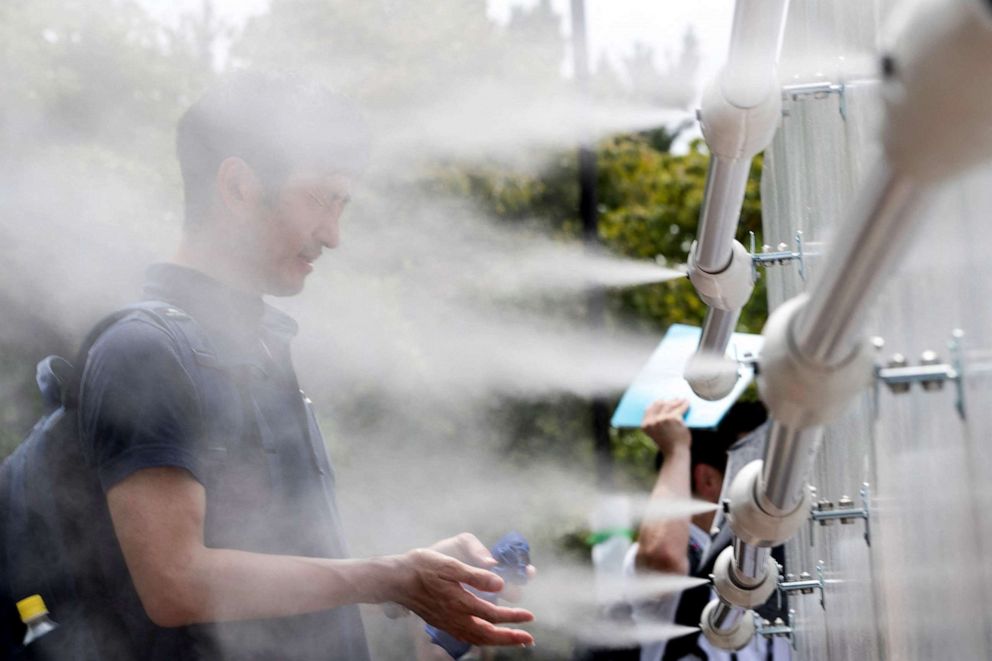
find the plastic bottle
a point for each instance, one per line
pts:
(34, 614)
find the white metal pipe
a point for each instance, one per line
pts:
(755, 42)
(750, 563)
(717, 329)
(789, 455)
(864, 252)
(726, 182)
(725, 617)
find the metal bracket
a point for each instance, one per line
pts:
(931, 373)
(804, 584)
(825, 512)
(781, 255)
(777, 628)
(821, 90)
(817, 91)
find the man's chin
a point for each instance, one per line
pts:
(285, 288)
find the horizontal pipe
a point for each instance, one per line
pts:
(788, 459)
(865, 251)
(749, 563)
(725, 617)
(722, 200)
(718, 327)
(755, 43)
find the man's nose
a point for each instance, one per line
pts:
(329, 231)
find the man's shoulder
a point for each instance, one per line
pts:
(139, 343)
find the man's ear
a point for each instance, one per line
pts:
(239, 189)
(708, 482)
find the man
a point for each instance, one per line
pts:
(692, 466)
(217, 481)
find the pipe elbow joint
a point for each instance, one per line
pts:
(800, 393)
(711, 376)
(729, 289)
(736, 131)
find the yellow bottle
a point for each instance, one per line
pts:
(34, 614)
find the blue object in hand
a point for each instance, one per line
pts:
(512, 552)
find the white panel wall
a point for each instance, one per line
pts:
(921, 591)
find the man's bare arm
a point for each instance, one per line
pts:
(158, 516)
(663, 544)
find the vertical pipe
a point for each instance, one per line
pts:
(789, 455)
(755, 43)
(718, 326)
(725, 617)
(749, 563)
(726, 182)
(865, 251)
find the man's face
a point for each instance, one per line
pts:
(293, 225)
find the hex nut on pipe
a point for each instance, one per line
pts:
(736, 595)
(729, 289)
(753, 525)
(802, 394)
(731, 640)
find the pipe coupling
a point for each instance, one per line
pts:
(731, 590)
(731, 639)
(750, 522)
(800, 393)
(729, 289)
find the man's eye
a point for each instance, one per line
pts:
(338, 200)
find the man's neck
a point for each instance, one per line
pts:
(198, 250)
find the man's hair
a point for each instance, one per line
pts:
(710, 446)
(275, 123)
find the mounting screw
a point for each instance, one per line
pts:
(931, 358)
(825, 506)
(878, 342)
(898, 360)
(805, 576)
(845, 503)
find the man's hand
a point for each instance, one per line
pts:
(431, 586)
(467, 548)
(663, 422)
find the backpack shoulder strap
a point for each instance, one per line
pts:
(165, 314)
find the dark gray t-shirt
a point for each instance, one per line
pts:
(228, 410)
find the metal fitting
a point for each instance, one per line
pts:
(897, 361)
(931, 358)
(845, 503)
(732, 637)
(728, 584)
(825, 506)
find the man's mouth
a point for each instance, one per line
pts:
(309, 257)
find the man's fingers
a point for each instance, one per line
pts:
(475, 551)
(493, 613)
(682, 406)
(481, 632)
(480, 579)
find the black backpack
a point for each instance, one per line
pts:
(54, 516)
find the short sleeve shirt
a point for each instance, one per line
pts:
(228, 410)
